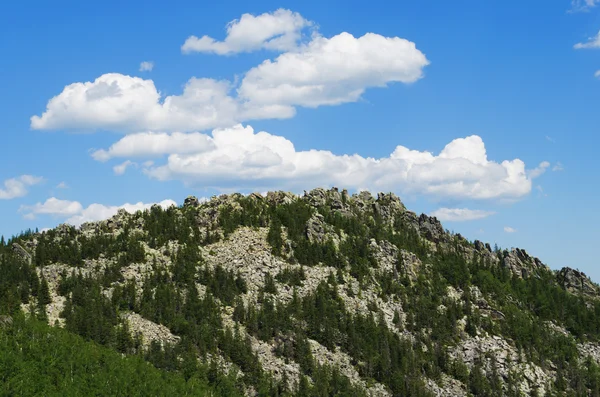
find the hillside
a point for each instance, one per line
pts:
(314, 295)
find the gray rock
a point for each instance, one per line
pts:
(430, 228)
(5, 321)
(191, 201)
(22, 252)
(315, 228)
(577, 282)
(280, 197)
(521, 264)
(388, 205)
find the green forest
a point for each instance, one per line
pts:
(95, 351)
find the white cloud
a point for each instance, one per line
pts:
(539, 170)
(77, 214)
(146, 66)
(597, 74)
(460, 214)
(152, 144)
(62, 185)
(17, 187)
(120, 169)
(280, 30)
(558, 167)
(239, 158)
(593, 42)
(333, 71)
(52, 206)
(509, 229)
(123, 103)
(541, 192)
(583, 5)
(96, 212)
(325, 71)
(550, 139)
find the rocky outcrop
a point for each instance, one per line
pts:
(430, 228)
(386, 255)
(343, 363)
(315, 228)
(522, 265)
(447, 387)
(316, 197)
(410, 264)
(494, 351)
(388, 206)
(332, 199)
(363, 200)
(148, 331)
(280, 197)
(427, 227)
(22, 252)
(191, 201)
(576, 282)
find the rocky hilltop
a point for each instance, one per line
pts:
(321, 294)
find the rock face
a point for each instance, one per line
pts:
(315, 228)
(22, 252)
(149, 331)
(388, 205)
(191, 201)
(495, 354)
(576, 282)
(430, 228)
(280, 197)
(521, 264)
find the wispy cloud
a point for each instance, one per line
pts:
(550, 139)
(120, 169)
(541, 192)
(509, 229)
(558, 167)
(17, 187)
(460, 214)
(146, 66)
(583, 5)
(593, 42)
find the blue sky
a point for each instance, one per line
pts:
(335, 90)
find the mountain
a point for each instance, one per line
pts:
(316, 295)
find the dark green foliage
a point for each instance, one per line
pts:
(40, 360)
(223, 284)
(270, 287)
(89, 313)
(291, 277)
(274, 236)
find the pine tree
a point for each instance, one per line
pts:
(44, 292)
(274, 236)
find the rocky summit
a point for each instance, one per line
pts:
(323, 294)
